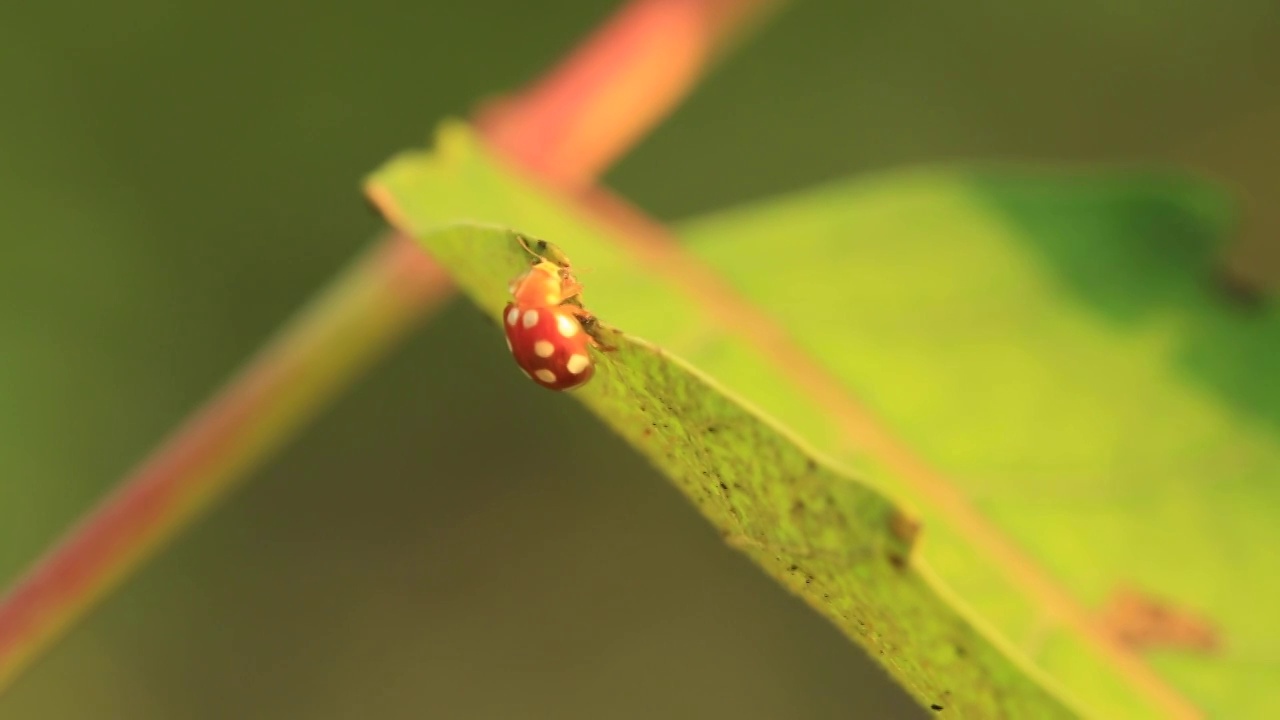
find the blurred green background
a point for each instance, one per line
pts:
(176, 179)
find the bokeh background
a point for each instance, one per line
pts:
(447, 540)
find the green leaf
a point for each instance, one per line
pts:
(840, 544)
(1056, 347)
(998, 372)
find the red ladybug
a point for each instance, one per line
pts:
(545, 326)
(549, 344)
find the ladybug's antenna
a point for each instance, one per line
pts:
(525, 244)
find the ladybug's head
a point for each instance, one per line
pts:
(544, 251)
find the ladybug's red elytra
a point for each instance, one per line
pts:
(549, 345)
(546, 326)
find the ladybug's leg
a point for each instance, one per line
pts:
(541, 245)
(570, 290)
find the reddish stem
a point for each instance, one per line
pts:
(582, 116)
(565, 129)
(318, 354)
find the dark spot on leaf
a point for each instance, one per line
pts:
(897, 560)
(904, 527)
(724, 487)
(793, 568)
(1244, 292)
(960, 651)
(935, 707)
(811, 465)
(713, 428)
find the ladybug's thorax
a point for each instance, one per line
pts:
(540, 286)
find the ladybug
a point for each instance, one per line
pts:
(547, 329)
(549, 344)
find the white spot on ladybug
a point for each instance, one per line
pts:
(568, 326)
(545, 375)
(530, 318)
(512, 316)
(577, 363)
(544, 349)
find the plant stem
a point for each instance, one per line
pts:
(339, 334)
(585, 113)
(578, 119)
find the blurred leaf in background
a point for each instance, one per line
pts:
(175, 180)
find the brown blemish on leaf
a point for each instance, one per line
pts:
(1240, 288)
(1143, 621)
(905, 527)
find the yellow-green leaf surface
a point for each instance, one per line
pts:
(838, 542)
(824, 534)
(1058, 349)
